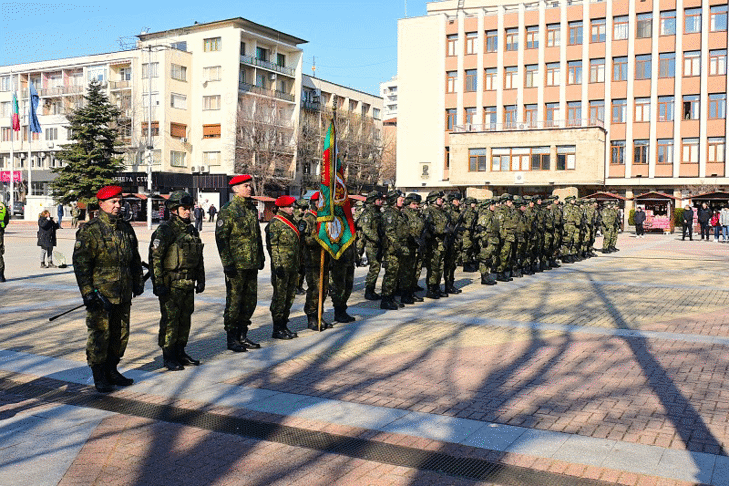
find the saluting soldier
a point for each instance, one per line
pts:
(238, 237)
(283, 241)
(370, 232)
(176, 265)
(312, 261)
(108, 272)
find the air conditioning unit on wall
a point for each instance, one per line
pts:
(204, 169)
(519, 178)
(183, 139)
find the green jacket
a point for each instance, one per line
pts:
(4, 216)
(396, 229)
(283, 243)
(238, 235)
(176, 255)
(369, 223)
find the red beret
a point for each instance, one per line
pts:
(240, 179)
(315, 196)
(285, 201)
(107, 192)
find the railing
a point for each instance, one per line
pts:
(284, 96)
(267, 65)
(120, 84)
(516, 126)
(310, 105)
(245, 87)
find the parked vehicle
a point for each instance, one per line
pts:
(18, 208)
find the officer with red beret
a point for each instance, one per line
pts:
(109, 272)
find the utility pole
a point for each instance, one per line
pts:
(150, 152)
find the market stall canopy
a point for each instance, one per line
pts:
(711, 197)
(654, 196)
(605, 196)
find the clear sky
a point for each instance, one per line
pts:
(354, 41)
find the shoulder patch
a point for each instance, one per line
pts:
(219, 223)
(155, 243)
(78, 244)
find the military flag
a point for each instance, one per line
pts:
(16, 114)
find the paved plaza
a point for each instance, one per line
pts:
(614, 370)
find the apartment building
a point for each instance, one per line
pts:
(388, 92)
(181, 92)
(563, 97)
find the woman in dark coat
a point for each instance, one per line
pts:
(47, 238)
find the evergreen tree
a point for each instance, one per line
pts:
(92, 158)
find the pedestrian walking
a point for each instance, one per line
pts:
(688, 222)
(47, 238)
(211, 212)
(59, 211)
(714, 222)
(704, 217)
(639, 219)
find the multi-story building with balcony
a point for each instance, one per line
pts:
(564, 97)
(181, 93)
(388, 92)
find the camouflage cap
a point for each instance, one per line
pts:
(528, 198)
(413, 197)
(433, 195)
(570, 198)
(302, 203)
(518, 200)
(393, 195)
(373, 196)
(506, 197)
(179, 198)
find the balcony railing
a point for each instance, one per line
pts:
(541, 125)
(311, 105)
(246, 87)
(120, 84)
(252, 61)
(284, 96)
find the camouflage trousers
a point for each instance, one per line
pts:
(284, 293)
(341, 278)
(548, 245)
(374, 264)
(450, 262)
(407, 269)
(570, 238)
(434, 262)
(487, 255)
(176, 310)
(505, 256)
(240, 300)
(467, 248)
(2, 250)
(419, 261)
(519, 253)
(392, 273)
(610, 237)
(311, 306)
(108, 333)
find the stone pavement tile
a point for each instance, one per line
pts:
(687, 466)
(584, 450)
(634, 458)
(494, 436)
(539, 443)
(434, 427)
(720, 476)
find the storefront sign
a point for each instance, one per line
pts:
(5, 176)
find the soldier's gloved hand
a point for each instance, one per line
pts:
(160, 290)
(92, 301)
(200, 287)
(138, 289)
(230, 271)
(280, 272)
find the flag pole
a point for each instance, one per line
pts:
(30, 153)
(321, 287)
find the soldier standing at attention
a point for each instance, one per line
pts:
(238, 237)
(4, 220)
(455, 243)
(108, 272)
(395, 231)
(487, 231)
(284, 246)
(436, 221)
(571, 219)
(369, 223)
(508, 220)
(416, 244)
(299, 210)
(468, 245)
(176, 263)
(312, 261)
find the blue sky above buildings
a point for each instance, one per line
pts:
(354, 42)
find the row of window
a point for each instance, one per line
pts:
(642, 69)
(664, 151)
(520, 159)
(598, 31)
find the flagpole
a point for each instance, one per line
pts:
(30, 153)
(321, 286)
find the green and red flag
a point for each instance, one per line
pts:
(335, 225)
(16, 114)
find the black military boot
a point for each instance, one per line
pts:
(340, 315)
(433, 292)
(451, 288)
(113, 375)
(470, 267)
(418, 288)
(184, 358)
(554, 263)
(291, 333)
(234, 344)
(488, 279)
(442, 292)
(370, 294)
(516, 273)
(279, 332)
(247, 342)
(501, 277)
(170, 360)
(537, 268)
(416, 298)
(314, 323)
(544, 265)
(407, 297)
(527, 270)
(100, 381)
(388, 303)
(2, 276)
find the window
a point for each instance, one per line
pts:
(617, 152)
(530, 75)
(470, 116)
(668, 22)
(597, 111)
(145, 131)
(477, 160)
(489, 117)
(510, 116)
(574, 113)
(500, 159)
(692, 63)
(552, 78)
(553, 33)
(643, 24)
(532, 37)
(520, 158)
(211, 73)
(211, 158)
(492, 41)
(471, 38)
(51, 134)
(620, 111)
(597, 30)
(620, 69)
(540, 158)
(6, 109)
(566, 157)
(490, 79)
(451, 79)
(178, 130)
(178, 101)
(717, 62)
(7, 134)
(575, 33)
(376, 113)
(180, 46)
(262, 54)
(242, 48)
(643, 67)
(597, 70)
(717, 106)
(146, 70)
(471, 80)
(667, 65)
(125, 74)
(177, 159)
(690, 151)
(261, 80)
(716, 149)
(512, 39)
(530, 115)
(551, 114)
(574, 72)
(179, 72)
(620, 27)
(717, 19)
(146, 98)
(281, 59)
(642, 109)
(691, 107)
(640, 151)
(666, 108)
(211, 102)
(211, 131)
(211, 44)
(450, 118)
(664, 151)
(511, 80)
(5, 83)
(95, 73)
(692, 20)
(451, 41)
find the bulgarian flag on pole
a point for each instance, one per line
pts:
(334, 213)
(16, 114)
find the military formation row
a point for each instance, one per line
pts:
(504, 237)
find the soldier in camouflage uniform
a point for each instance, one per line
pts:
(508, 220)
(571, 220)
(284, 247)
(312, 255)
(550, 233)
(299, 210)
(610, 225)
(238, 237)
(341, 283)
(4, 220)
(109, 272)
(592, 217)
(370, 231)
(520, 246)
(469, 245)
(487, 232)
(436, 222)
(411, 269)
(454, 243)
(395, 231)
(558, 211)
(176, 265)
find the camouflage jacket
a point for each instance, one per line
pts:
(106, 258)
(238, 235)
(396, 230)
(508, 219)
(369, 224)
(176, 255)
(437, 220)
(283, 243)
(487, 227)
(572, 215)
(415, 225)
(311, 248)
